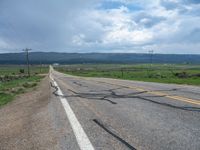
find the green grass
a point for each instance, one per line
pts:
(10, 89)
(15, 69)
(5, 98)
(162, 73)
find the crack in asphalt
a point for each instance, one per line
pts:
(79, 84)
(55, 89)
(122, 86)
(100, 123)
(112, 94)
(81, 95)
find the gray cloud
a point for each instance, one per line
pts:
(147, 20)
(81, 26)
(169, 4)
(41, 24)
(192, 1)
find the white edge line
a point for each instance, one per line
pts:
(81, 137)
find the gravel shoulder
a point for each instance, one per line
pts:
(25, 123)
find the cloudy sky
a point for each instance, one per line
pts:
(166, 26)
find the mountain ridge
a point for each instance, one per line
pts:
(77, 58)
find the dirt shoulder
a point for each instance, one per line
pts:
(25, 123)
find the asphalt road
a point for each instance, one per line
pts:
(119, 114)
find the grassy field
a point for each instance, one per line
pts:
(15, 69)
(163, 73)
(14, 82)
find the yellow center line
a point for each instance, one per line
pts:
(189, 100)
(179, 98)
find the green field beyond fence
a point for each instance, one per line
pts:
(14, 80)
(163, 73)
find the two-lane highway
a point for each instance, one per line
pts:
(118, 114)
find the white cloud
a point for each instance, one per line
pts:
(125, 36)
(80, 26)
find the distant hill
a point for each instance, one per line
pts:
(77, 58)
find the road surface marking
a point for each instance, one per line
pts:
(81, 137)
(179, 98)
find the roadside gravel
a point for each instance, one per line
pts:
(25, 123)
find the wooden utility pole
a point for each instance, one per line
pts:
(27, 59)
(151, 56)
(151, 62)
(40, 66)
